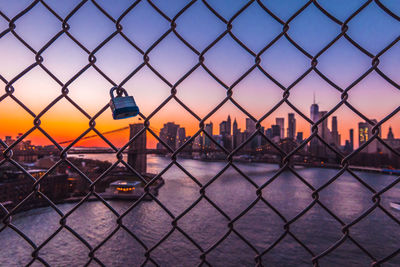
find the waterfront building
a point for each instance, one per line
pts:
(15, 186)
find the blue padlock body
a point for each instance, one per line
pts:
(123, 107)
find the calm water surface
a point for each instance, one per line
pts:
(261, 226)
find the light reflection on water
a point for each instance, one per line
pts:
(232, 193)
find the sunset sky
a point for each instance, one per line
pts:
(342, 63)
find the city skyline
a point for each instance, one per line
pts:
(342, 63)
(175, 135)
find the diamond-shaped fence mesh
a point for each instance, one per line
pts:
(200, 251)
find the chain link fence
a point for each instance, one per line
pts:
(285, 165)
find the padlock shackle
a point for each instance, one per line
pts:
(116, 88)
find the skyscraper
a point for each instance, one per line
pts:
(281, 123)
(250, 126)
(291, 131)
(335, 134)
(235, 134)
(268, 133)
(222, 128)
(168, 135)
(276, 133)
(181, 137)
(299, 137)
(235, 127)
(209, 130)
(314, 111)
(390, 135)
(228, 126)
(365, 133)
(351, 139)
(323, 129)
(225, 133)
(314, 116)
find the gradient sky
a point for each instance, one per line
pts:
(342, 63)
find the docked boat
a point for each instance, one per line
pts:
(395, 205)
(122, 189)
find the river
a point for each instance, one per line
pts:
(346, 197)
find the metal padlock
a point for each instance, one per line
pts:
(122, 107)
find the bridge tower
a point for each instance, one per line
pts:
(137, 149)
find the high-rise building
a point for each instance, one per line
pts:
(181, 137)
(9, 140)
(392, 142)
(390, 135)
(261, 139)
(250, 126)
(347, 147)
(299, 137)
(365, 133)
(276, 133)
(268, 133)
(225, 127)
(228, 126)
(168, 135)
(235, 134)
(323, 129)
(235, 127)
(291, 131)
(137, 157)
(351, 144)
(314, 116)
(334, 133)
(209, 130)
(198, 142)
(334, 124)
(314, 111)
(281, 123)
(222, 128)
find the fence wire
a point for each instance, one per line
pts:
(285, 156)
